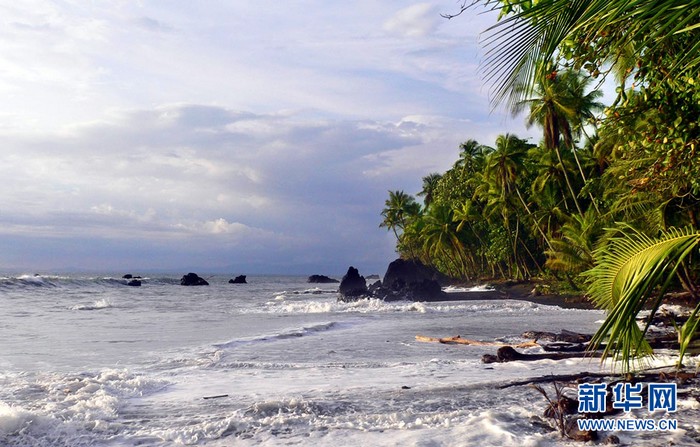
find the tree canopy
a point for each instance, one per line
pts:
(608, 202)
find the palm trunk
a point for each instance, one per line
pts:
(585, 180)
(527, 209)
(568, 182)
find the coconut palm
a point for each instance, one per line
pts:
(634, 270)
(560, 106)
(399, 208)
(504, 167)
(430, 182)
(573, 251)
(442, 240)
(534, 32)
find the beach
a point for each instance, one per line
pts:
(87, 360)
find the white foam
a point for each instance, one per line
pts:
(480, 288)
(103, 303)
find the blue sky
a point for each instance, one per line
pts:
(231, 136)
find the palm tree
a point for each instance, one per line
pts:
(536, 32)
(554, 107)
(503, 168)
(573, 251)
(472, 156)
(441, 239)
(398, 209)
(430, 182)
(632, 271)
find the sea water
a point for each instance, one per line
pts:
(89, 361)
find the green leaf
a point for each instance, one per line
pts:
(633, 270)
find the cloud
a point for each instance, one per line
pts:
(417, 20)
(194, 134)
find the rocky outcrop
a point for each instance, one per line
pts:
(192, 279)
(240, 279)
(352, 286)
(134, 283)
(411, 280)
(321, 279)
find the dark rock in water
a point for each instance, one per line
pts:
(238, 280)
(134, 283)
(192, 279)
(321, 279)
(411, 280)
(573, 432)
(402, 271)
(375, 289)
(352, 286)
(128, 276)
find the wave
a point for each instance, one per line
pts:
(97, 305)
(481, 288)
(284, 335)
(58, 281)
(75, 410)
(281, 305)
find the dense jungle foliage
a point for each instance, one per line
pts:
(609, 200)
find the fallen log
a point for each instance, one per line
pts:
(563, 336)
(457, 339)
(508, 354)
(564, 347)
(663, 374)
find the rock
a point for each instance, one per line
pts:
(134, 283)
(321, 279)
(573, 432)
(611, 440)
(192, 279)
(238, 280)
(352, 286)
(401, 272)
(128, 276)
(375, 288)
(372, 277)
(411, 280)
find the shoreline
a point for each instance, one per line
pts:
(522, 291)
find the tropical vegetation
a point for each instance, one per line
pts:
(608, 202)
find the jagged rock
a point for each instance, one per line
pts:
(375, 288)
(352, 286)
(402, 272)
(321, 279)
(238, 280)
(192, 279)
(411, 280)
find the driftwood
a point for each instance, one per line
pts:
(563, 336)
(219, 396)
(508, 354)
(465, 341)
(664, 374)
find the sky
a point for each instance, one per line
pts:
(227, 136)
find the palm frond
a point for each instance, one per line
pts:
(631, 271)
(520, 45)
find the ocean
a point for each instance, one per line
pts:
(86, 360)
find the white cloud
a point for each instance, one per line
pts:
(419, 20)
(130, 123)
